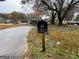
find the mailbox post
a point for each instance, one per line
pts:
(43, 42)
(42, 28)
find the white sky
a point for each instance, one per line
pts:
(10, 5)
(28, 8)
(13, 5)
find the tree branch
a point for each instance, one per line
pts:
(56, 8)
(46, 4)
(69, 7)
(74, 3)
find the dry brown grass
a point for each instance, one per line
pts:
(67, 49)
(4, 26)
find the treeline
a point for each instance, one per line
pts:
(16, 16)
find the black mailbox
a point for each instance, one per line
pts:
(42, 26)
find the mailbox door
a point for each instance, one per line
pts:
(42, 27)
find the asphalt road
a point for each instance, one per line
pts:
(13, 41)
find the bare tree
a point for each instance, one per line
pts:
(60, 8)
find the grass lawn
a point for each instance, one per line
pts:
(61, 43)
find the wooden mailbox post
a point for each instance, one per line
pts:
(42, 28)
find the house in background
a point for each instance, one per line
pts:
(3, 20)
(73, 19)
(6, 21)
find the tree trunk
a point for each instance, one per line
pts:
(53, 21)
(60, 20)
(53, 18)
(18, 21)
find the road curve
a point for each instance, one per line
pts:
(13, 41)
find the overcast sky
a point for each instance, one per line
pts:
(10, 5)
(14, 5)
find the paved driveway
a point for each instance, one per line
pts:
(13, 41)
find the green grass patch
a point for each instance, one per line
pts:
(68, 48)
